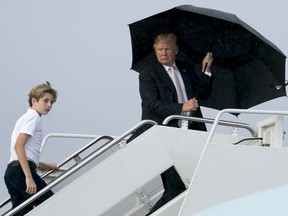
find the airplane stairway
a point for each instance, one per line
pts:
(125, 181)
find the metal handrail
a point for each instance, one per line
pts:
(74, 155)
(238, 111)
(211, 121)
(65, 135)
(65, 175)
(5, 202)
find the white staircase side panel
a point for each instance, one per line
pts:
(186, 146)
(111, 181)
(171, 208)
(103, 187)
(227, 173)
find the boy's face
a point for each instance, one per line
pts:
(44, 105)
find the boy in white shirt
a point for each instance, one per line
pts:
(21, 178)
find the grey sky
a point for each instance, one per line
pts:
(83, 48)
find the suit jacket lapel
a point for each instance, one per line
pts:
(166, 78)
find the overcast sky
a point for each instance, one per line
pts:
(83, 48)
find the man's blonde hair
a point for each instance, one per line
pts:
(166, 37)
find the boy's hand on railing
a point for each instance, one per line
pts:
(48, 166)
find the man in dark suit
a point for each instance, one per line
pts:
(169, 88)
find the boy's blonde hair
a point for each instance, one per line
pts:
(38, 92)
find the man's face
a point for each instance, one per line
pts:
(166, 52)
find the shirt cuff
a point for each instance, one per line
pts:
(208, 73)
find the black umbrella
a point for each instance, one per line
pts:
(247, 67)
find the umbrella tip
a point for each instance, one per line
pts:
(278, 87)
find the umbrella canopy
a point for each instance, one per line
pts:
(247, 67)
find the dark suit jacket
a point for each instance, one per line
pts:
(159, 96)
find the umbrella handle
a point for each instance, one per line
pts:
(197, 93)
